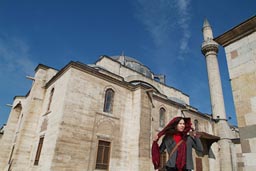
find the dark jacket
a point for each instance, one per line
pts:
(191, 142)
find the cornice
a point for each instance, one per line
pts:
(90, 70)
(238, 32)
(44, 67)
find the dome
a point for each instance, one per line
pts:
(134, 65)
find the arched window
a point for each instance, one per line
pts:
(109, 100)
(50, 99)
(196, 124)
(162, 117)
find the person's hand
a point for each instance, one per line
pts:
(194, 134)
(155, 137)
(198, 135)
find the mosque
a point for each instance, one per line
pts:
(103, 116)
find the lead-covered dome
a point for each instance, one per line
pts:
(134, 65)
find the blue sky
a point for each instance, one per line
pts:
(165, 35)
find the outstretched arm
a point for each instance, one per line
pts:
(197, 144)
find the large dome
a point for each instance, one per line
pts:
(134, 65)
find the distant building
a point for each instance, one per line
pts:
(240, 47)
(102, 117)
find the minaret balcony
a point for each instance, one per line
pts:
(209, 46)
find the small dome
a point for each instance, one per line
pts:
(134, 65)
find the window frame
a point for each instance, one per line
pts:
(162, 112)
(103, 159)
(196, 124)
(109, 100)
(50, 99)
(39, 150)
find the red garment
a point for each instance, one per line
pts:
(181, 156)
(181, 151)
(177, 137)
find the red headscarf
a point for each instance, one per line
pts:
(181, 151)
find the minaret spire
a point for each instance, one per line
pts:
(207, 30)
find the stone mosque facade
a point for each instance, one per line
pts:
(103, 116)
(240, 48)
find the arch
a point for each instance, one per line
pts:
(105, 126)
(18, 115)
(18, 108)
(141, 79)
(136, 82)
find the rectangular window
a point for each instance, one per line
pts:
(39, 149)
(103, 154)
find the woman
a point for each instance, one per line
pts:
(178, 141)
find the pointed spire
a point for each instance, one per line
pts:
(209, 45)
(207, 30)
(206, 23)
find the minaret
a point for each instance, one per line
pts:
(210, 50)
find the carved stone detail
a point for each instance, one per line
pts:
(209, 46)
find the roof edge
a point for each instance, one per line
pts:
(243, 29)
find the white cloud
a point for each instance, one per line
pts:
(164, 19)
(184, 18)
(14, 56)
(183, 5)
(15, 64)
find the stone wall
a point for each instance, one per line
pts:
(241, 58)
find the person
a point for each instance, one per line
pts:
(176, 133)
